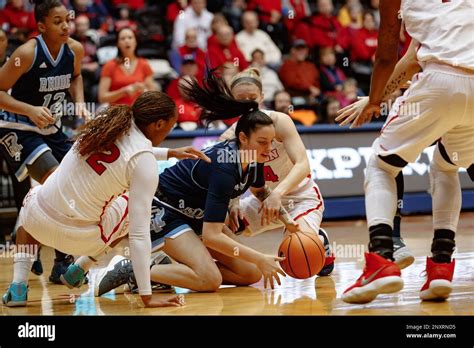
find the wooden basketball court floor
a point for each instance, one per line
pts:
(314, 296)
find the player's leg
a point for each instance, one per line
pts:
(408, 130)
(172, 233)
(59, 145)
(401, 253)
(454, 150)
(26, 249)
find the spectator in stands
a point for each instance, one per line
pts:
(349, 93)
(226, 50)
(95, 10)
(190, 47)
(270, 81)
(330, 107)
(123, 79)
(188, 113)
(300, 77)
(16, 20)
(351, 14)
(251, 38)
(332, 77)
(374, 6)
(124, 20)
(228, 71)
(195, 16)
(217, 21)
(188, 68)
(90, 65)
(294, 11)
(363, 46)
(282, 102)
(234, 13)
(270, 15)
(173, 9)
(132, 4)
(323, 29)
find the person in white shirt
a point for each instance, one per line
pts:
(251, 38)
(101, 190)
(195, 16)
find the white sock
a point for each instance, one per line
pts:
(380, 192)
(445, 193)
(85, 262)
(22, 263)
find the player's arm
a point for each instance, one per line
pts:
(143, 183)
(18, 64)
(229, 133)
(186, 152)
(406, 67)
(217, 201)
(386, 57)
(286, 131)
(77, 85)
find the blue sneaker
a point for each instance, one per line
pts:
(16, 295)
(329, 263)
(74, 277)
(37, 267)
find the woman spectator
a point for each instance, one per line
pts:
(332, 77)
(123, 79)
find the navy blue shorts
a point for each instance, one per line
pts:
(22, 148)
(169, 223)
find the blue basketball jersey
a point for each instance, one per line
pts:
(46, 83)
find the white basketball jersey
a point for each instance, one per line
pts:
(279, 165)
(82, 187)
(444, 29)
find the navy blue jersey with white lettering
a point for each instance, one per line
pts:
(46, 83)
(203, 190)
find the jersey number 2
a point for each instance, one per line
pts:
(95, 159)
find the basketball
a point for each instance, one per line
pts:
(305, 255)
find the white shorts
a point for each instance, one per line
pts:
(438, 104)
(305, 203)
(50, 228)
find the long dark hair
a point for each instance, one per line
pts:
(42, 8)
(217, 102)
(115, 121)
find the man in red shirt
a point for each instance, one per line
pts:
(226, 50)
(300, 77)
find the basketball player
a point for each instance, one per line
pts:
(192, 200)
(40, 73)
(406, 67)
(443, 93)
(287, 173)
(88, 213)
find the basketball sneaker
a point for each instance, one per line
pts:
(16, 295)
(74, 277)
(401, 253)
(329, 263)
(37, 266)
(438, 285)
(119, 272)
(380, 276)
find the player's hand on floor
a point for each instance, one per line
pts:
(153, 301)
(270, 269)
(41, 116)
(188, 152)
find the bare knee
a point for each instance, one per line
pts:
(210, 279)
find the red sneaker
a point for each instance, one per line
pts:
(438, 286)
(380, 276)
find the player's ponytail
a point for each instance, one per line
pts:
(217, 102)
(115, 121)
(42, 8)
